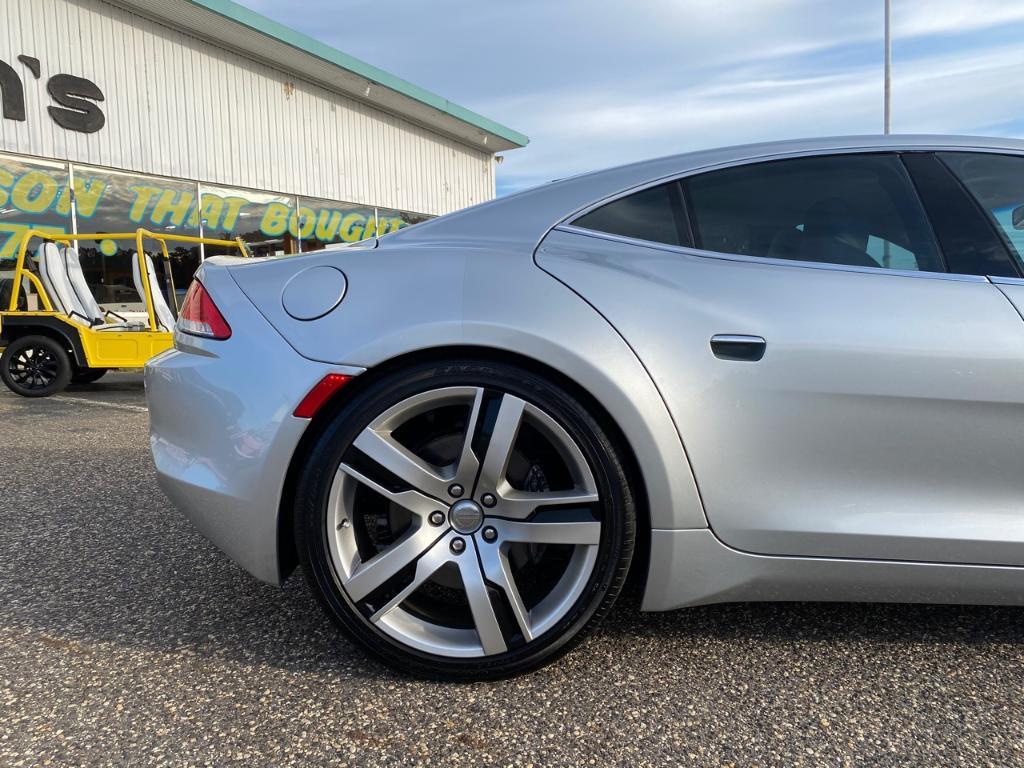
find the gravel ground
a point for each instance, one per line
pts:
(126, 639)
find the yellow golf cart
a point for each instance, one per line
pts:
(55, 332)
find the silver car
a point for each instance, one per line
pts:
(789, 371)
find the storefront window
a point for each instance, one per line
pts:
(34, 194)
(322, 222)
(265, 221)
(392, 221)
(121, 203)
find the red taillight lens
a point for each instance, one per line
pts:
(199, 316)
(320, 394)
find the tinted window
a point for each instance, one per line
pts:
(646, 215)
(997, 183)
(969, 242)
(854, 210)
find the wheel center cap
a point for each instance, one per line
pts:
(466, 516)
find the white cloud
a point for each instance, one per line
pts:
(951, 17)
(944, 93)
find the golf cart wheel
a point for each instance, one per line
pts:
(35, 366)
(87, 375)
(465, 520)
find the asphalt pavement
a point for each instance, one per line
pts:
(126, 639)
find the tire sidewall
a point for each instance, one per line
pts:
(61, 380)
(618, 522)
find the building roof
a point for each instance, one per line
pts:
(234, 26)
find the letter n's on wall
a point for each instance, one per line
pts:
(76, 112)
(12, 92)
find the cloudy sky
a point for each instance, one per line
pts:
(595, 83)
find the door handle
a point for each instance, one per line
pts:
(730, 346)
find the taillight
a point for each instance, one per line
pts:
(199, 316)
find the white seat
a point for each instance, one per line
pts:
(81, 288)
(164, 316)
(87, 298)
(58, 286)
(64, 281)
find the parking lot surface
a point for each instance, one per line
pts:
(125, 638)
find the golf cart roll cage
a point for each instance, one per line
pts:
(21, 272)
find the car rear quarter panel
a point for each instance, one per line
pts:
(222, 430)
(403, 300)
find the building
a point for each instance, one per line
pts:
(203, 117)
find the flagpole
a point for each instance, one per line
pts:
(887, 114)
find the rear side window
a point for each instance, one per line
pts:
(997, 183)
(852, 210)
(651, 214)
(970, 243)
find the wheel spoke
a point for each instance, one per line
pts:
(574, 532)
(426, 567)
(401, 462)
(414, 501)
(468, 464)
(503, 439)
(498, 572)
(486, 621)
(520, 505)
(375, 572)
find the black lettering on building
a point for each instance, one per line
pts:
(77, 110)
(12, 93)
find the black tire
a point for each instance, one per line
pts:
(49, 374)
(616, 505)
(88, 375)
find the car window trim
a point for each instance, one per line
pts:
(1006, 280)
(681, 175)
(736, 257)
(681, 214)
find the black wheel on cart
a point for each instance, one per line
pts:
(87, 375)
(35, 366)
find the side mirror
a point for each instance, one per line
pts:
(1017, 217)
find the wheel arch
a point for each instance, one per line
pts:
(287, 556)
(15, 327)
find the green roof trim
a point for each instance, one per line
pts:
(260, 23)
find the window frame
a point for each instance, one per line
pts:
(566, 223)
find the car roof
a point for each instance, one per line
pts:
(523, 218)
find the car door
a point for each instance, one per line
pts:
(839, 392)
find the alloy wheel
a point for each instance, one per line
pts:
(463, 521)
(34, 367)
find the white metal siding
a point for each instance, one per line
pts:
(179, 106)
